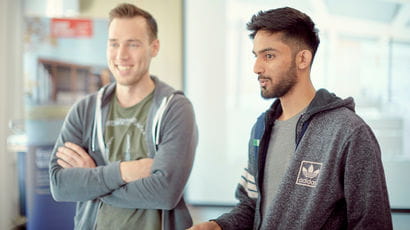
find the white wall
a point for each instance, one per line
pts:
(213, 178)
(10, 103)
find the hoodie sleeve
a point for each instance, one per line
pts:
(81, 184)
(364, 183)
(172, 163)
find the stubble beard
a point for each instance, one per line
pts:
(283, 86)
(131, 80)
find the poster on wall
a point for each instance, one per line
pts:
(71, 28)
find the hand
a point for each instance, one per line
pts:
(135, 170)
(73, 156)
(210, 225)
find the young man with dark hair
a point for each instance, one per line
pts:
(313, 163)
(124, 154)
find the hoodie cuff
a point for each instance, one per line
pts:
(112, 176)
(222, 224)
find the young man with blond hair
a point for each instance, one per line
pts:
(124, 154)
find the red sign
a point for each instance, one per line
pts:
(71, 28)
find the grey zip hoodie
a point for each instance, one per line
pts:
(335, 179)
(172, 139)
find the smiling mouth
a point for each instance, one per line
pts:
(123, 68)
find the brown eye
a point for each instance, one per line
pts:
(269, 56)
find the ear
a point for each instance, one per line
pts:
(303, 59)
(154, 47)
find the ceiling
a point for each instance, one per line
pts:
(386, 19)
(389, 19)
(375, 10)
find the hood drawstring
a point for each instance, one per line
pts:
(156, 124)
(97, 127)
(98, 130)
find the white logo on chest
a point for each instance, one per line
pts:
(308, 173)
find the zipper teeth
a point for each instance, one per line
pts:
(296, 129)
(264, 146)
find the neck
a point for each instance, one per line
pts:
(298, 98)
(129, 95)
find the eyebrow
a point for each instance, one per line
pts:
(264, 50)
(129, 40)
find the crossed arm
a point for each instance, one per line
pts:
(71, 155)
(80, 174)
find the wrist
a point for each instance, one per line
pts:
(112, 175)
(123, 171)
(215, 225)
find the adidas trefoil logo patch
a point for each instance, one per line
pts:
(308, 173)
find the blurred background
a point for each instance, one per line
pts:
(52, 53)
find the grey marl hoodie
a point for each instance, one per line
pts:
(335, 179)
(172, 139)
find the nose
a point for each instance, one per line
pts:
(257, 67)
(122, 53)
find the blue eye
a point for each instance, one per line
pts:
(114, 45)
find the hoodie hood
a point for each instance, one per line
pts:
(161, 90)
(323, 101)
(162, 97)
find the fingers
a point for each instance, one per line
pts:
(77, 149)
(63, 164)
(210, 225)
(68, 156)
(72, 155)
(85, 158)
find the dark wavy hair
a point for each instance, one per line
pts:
(295, 26)
(126, 10)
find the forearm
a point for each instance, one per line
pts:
(76, 183)
(158, 191)
(82, 184)
(171, 167)
(136, 169)
(163, 189)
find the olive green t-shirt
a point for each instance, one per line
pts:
(125, 140)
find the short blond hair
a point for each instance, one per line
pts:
(127, 10)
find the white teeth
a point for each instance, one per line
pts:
(123, 68)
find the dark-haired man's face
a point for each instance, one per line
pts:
(274, 64)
